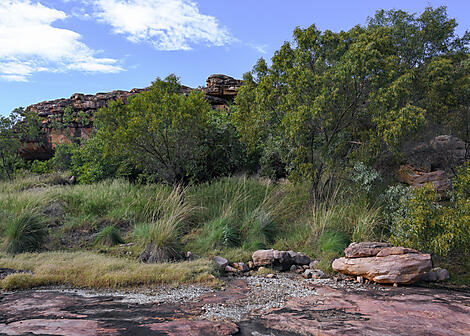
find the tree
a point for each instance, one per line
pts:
(14, 130)
(331, 97)
(161, 130)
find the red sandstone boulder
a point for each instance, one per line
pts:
(364, 249)
(383, 264)
(417, 178)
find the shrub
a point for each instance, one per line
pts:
(41, 167)
(62, 159)
(424, 224)
(109, 236)
(25, 233)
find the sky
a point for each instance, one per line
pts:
(51, 49)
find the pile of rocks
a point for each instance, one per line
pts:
(274, 259)
(382, 263)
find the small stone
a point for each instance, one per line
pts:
(270, 276)
(293, 268)
(241, 266)
(189, 255)
(261, 269)
(230, 269)
(221, 262)
(307, 274)
(305, 267)
(359, 279)
(313, 264)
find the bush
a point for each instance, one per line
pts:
(41, 167)
(25, 233)
(109, 236)
(427, 225)
(62, 159)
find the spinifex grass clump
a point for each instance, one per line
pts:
(109, 236)
(25, 233)
(167, 212)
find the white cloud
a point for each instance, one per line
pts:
(30, 44)
(166, 24)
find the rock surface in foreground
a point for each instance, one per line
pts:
(393, 265)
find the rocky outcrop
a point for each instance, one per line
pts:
(417, 178)
(220, 91)
(433, 161)
(280, 260)
(393, 265)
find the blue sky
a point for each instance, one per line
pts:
(53, 48)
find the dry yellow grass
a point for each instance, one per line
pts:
(91, 270)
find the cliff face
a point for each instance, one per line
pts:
(220, 90)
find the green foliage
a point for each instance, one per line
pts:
(109, 236)
(41, 167)
(17, 127)
(332, 98)
(427, 225)
(63, 154)
(331, 241)
(161, 130)
(25, 233)
(90, 164)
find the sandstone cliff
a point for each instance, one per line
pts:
(220, 90)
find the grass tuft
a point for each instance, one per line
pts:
(109, 236)
(25, 233)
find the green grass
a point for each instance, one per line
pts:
(231, 217)
(109, 236)
(90, 270)
(25, 233)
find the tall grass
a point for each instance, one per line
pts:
(25, 233)
(167, 213)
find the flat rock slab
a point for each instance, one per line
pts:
(313, 307)
(372, 312)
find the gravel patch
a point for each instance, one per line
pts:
(179, 294)
(264, 294)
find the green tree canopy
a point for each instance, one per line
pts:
(161, 130)
(329, 97)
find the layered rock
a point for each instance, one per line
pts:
(393, 265)
(281, 260)
(417, 178)
(432, 161)
(220, 91)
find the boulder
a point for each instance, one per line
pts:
(221, 262)
(279, 260)
(392, 269)
(364, 249)
(417, 178)
(436, 274)
(395, 250)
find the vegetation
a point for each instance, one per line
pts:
(331, 98)
(91, 270)
(304, 160)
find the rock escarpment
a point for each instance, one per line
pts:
(220, 91)
(382, 263)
